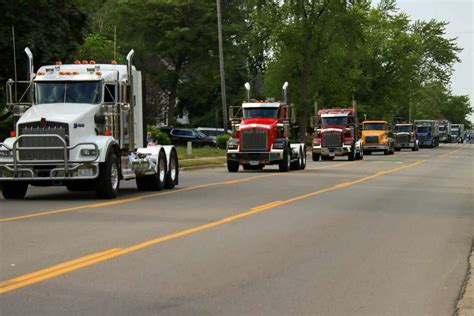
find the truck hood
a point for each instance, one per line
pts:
(263, 123)
(373, 133)
(59, 112)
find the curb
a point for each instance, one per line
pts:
(465, 304)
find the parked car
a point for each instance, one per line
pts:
(181, 136)
(213, 132)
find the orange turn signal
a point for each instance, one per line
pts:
(12, 133)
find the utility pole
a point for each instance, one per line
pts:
(221, 65)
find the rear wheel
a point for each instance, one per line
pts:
(14, 190)
(172, 177)
(316, 157)
(108, 182)
(157, 181)
(232, 166)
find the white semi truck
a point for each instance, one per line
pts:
(81, 126)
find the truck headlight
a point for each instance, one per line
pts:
(5, 154)
(233, 143)
(89, 152)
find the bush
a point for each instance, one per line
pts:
(221, 141)
(160, 137)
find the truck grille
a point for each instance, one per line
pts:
(54, 128)
(422, 138)
(331, 139)
(254, 139)
(371, 139)
(403, 138)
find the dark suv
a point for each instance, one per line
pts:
(181, 136)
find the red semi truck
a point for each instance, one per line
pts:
(260, 136)
(337, 134)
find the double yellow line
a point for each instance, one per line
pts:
(144, 196)
(82, 262)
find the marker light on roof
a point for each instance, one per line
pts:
(77, 62)
(92, 62)
(113, 62)
(58, 62)
(84, 62)
(40, 73)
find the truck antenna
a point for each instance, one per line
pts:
(14, 61)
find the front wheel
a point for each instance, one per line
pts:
(351, 155)
(303, 159)
(14, 190)
(108, 182)
(285, 163)
(232, 166)
(316, 157)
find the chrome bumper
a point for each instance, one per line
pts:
(13, 168)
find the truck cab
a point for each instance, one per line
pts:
(406, 137)
(260, 136)
(377, 137)
(337, 134)
(82, 127)
(444, 131)
(457, 133)
(428, 133)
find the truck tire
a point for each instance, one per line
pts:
(172, 177)
(157, 181)
(316, 157)
(385, 152)
(351, 155)
(246, 167)
(14, 190)
(303, 159)
(285, 164)
(232, 166)
(108, 182)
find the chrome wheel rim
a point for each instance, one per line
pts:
(289, 159)
(114, 177)
(161, 172)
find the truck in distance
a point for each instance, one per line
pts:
(82, 128)
(444, 131)
(261, 136)
(457, 133)
(337, 133)
(377, 137)
(428, 133)
(406, 137)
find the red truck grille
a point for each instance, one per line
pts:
(254, 139)
(332, 139)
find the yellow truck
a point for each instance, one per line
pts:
(377, 137)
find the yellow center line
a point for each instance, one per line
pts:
(450, 153)
(76, 264)
(143, 196)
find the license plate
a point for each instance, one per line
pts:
(254, 162)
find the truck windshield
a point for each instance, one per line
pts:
(68, 92)
(261, 113)
(424, 129)
(335, 120)
(374, 126)
(403, 129)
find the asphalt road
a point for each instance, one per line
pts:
(386, 236)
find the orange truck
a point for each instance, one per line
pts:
(377, 137)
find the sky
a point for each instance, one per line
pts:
(460, 16)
